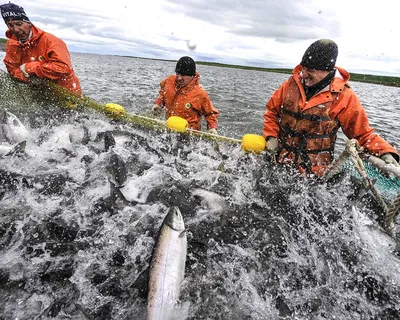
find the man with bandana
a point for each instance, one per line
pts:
(303, 116)
(33, 53)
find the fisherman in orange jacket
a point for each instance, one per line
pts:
(183, 96)
(303, 116)
(32, 52)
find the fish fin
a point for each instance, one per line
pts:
(182, 233)
(142, 282)
(118, 170)
(109, 141)
(86, 136)
(116, 193)
(17, 149)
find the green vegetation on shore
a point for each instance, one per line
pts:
(359, 77)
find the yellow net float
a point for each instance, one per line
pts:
(253, 143)
(177, 123)
(114, 110)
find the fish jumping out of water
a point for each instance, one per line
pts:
(167, 267)
(12, 128)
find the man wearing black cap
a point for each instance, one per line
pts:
(182, 95)
(31, 52)
(303, 116)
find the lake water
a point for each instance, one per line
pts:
(262, 242)
(240, 95)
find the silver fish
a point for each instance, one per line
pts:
(167, 267)
(12, 128)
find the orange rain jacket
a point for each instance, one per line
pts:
(44, 55)
(306, 130)
(189, 102)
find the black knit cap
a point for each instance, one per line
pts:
(321, 55)
(185, 66)
(11, 11)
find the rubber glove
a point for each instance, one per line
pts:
(389, 159)
(272, 144)
(23, 70)
(156, 110)
(212, 131)
(270, 148)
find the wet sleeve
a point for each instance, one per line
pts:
(211, 115)
(355, 125)
(272, 111)
(160, 99)
(12, 63)
(56, 63)
(210, 112)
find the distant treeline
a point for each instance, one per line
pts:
(384, 80)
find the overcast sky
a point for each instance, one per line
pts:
(265, 33)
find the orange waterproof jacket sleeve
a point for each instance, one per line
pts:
(160, 99)
(209, 111)
(355, 125)
(44, 56)
(272, 112)
(12, 59)
(347, 109)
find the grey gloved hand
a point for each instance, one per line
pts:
(156, 110)
(270, 147)
(389, 159)
(272, 144)
(212, 131)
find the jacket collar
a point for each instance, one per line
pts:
(337, 85)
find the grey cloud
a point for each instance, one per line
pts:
(284, 21)
(86, 23)
(287, 21)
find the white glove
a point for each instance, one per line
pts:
(271, 145)
(212, 131)
(389, 159)
(156, 110)
(270, 148)
(22, 68)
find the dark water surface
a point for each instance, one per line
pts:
(262, 242)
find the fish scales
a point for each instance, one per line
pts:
(167, 267)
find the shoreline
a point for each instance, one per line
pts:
(358, 77)
(390, 81)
